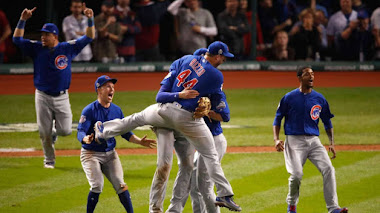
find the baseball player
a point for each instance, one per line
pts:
(201, 187)
(102, 158)
(193, 72)
(167, 141)
(302, 109)
(52, 77)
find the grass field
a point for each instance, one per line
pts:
(259, 180)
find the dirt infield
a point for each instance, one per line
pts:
(247, 149)
(84, 82)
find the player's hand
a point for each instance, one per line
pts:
(279, 145)
(26, 13)
(332, 150)
(148, 142)
(188, 93)
(87, 11)
(88, 138)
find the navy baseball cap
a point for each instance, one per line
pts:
(200, 51)
(102, 80)
(50, 28)
(219, 48)
(362, 14)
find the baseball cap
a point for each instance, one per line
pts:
(108, 3)
(363, 14)
(102, 80)
(50, 28)
(219, 48)
(200, 51)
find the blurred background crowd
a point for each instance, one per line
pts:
(164, 30)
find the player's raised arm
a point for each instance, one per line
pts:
(90, 31)
(25, 15)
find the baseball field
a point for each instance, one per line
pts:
(257, 173)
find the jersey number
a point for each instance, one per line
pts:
(182, 77)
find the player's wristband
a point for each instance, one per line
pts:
(21, 24)
(91, 22)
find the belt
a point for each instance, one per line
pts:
(55, 94)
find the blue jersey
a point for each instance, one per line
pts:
(90, 115)
(52, 66)
(302, 113)
(196, 73)
(219, 105)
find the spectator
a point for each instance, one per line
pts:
(194, 25)
(269, 21)
(320, 21)
(130, 26)
(307, 40)
(109, 35)
(280, 51)
(375, 21)
(74, 26)
(232, 25)
(247, 37)
(357, 42)
(338, 22)
(358, 5)
(150, 14)
(5, 32)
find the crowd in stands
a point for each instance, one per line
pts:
(163, 30)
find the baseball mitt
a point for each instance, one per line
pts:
(204, 106)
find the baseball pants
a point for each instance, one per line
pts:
(172, 116)
(167, 140)
(201, 186)
(96, 163)
(49, 109)
(299, 148)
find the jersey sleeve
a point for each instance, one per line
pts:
(281, 111)
(219, 104)
(85, 126)
(127, 135)
(78, 44)
(27, 46)
(326, 115)
(165, 95)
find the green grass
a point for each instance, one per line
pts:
(356, 121)
(259, 182)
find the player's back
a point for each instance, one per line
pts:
(196, 73)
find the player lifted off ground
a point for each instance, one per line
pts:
(168, 140)
(102, 158)
(197, 73)
(302, 109)
(52, 77)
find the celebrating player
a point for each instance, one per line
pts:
(102, 158)
(193, 72)
(302, 109)
(52, 77)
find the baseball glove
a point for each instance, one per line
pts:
(204, 106)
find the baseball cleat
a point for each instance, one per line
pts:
(98, 127)
(227, 202)
(291, 209)
(340, 210)
(49, 165)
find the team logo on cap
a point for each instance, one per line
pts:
(314, 112)
(61, 62)
(220, 52)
